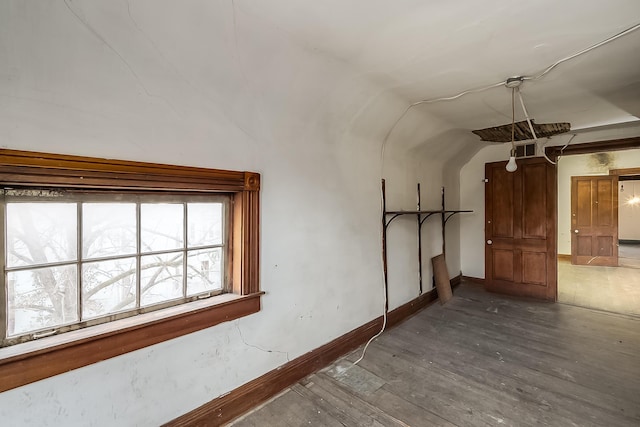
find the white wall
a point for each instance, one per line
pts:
(116, 80)
(582, 165)
(472, 190)
(628, 214)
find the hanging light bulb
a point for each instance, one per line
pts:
(512, 165)
(633, 200)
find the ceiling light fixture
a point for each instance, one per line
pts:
(633, 200)
(513, 83)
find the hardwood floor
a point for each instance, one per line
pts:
(482, 359)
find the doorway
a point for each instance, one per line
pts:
(520, 234)
(614, 287)
(629, 220)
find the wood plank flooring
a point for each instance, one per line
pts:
(480, 360)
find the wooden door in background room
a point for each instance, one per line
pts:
(594, 220)
(520, 229)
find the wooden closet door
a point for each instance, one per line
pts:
(520, 229)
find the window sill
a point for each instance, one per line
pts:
(23, 364)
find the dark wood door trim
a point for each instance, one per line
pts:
(625, 172)
(593, 147)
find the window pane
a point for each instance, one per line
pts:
(108, 287)
(162, 226)
(108, 229)
(205, 224)
(41, 298)
(41, 233)
(160, 278)
(204, 270)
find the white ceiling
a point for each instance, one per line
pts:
(90, 73)
(428, 49)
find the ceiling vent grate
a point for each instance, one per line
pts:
(526, 150)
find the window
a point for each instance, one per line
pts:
(98, 250)
(74, 260)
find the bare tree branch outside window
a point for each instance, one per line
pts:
(69, 261)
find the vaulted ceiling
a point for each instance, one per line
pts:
(430, 49)
(109, 69)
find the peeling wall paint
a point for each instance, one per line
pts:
(601, 162)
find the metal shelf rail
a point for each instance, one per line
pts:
(421, 216)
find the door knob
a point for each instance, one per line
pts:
(489, 242)
(575, 231)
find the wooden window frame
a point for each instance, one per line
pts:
(25, 363)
